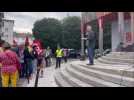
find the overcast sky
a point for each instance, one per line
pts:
(24, 20)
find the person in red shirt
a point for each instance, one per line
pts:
(10, 66)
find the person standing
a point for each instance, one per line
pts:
(59, 55)
(47, 56)
(65, 51)
(15, 48)
(10, 66)
(91, 39)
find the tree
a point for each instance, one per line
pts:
(71, 32)
(48, 30)
(52, 32)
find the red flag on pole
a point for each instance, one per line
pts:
(27, 40)
(14, 42)
(37, 43)
(100, 22)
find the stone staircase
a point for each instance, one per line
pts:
(107, 73)
(118, 58)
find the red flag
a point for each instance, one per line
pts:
(37, 43)
(128, 37)
(100, 22)
(27, 40)
(14, 42)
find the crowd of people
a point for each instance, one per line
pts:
(23, 61)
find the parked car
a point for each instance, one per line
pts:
(73, 53)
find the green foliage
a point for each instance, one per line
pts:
(71, 32)
(66, 32)
(52, 32)
(48, 30)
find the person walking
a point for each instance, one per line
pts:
(59, 55)
(65, 51)
(40, 61)
(35, 55)
(21, 56)
(48, 55)
(91, 39)
(28, 62)
(10, 66)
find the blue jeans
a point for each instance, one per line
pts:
(29, 67)
(91, 55)
(34, 63)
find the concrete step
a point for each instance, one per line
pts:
(106, 61)
(126, 71)
(122, 55)
(60, 81)
(117, 79)
(121, 60)
(90, 79)
(73, 81)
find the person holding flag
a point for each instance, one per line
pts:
(40, 54)
(28, 59)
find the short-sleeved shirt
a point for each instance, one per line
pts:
(10, 62)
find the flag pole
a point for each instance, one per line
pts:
(100, 22)
(82, 38)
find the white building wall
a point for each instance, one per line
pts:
(115, 33)
(8, 31)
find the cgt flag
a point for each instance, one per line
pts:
(27, 41)
(37, 43)
(100, 22)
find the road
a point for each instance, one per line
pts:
(48, 77)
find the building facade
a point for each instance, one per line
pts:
(7, 31)
(122, 27)
(20, 37)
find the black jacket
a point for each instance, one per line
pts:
(27, 54)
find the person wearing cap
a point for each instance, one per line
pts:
(10, 66)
